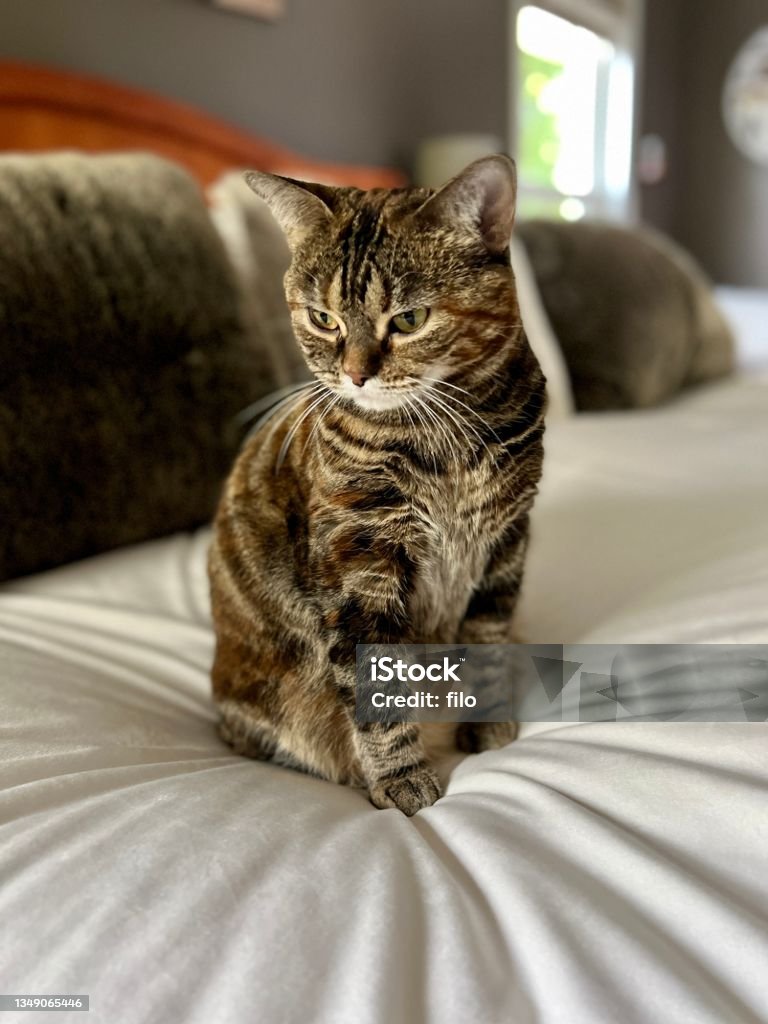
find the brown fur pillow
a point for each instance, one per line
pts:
(123, 356)
(633, 313)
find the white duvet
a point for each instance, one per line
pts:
(587, 874)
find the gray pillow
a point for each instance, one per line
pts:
(633, 313)
(124, 356)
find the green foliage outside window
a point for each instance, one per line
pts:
(539, 135)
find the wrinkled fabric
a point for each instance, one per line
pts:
(586, 874)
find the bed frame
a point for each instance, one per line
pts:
(45, 109)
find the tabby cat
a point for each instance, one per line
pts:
(388, 501)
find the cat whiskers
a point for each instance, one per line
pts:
(415, 405)
(451, 442)
(527, 419)
(461, 422)
(333, 399)
(315, 280)
(315, 402)
(437, 380)
(456, 418)
(274, 398)
(272, 404)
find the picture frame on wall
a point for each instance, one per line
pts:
(269, 10)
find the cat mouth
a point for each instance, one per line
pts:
(374, 396)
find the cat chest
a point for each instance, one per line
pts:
(455, 545)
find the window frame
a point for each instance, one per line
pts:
(624, 31)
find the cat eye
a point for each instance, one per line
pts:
(410, 321)
(324, 321)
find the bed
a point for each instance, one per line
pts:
(587, 873)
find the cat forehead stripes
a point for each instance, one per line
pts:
(374, 297)
(357, 243)
(366, 247)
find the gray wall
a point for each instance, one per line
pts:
(715, 201)
(350, 80)
(365, 80)
(662, 82)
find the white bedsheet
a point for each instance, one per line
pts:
(587, 874)
(747, 311)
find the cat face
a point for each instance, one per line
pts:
(390, 291)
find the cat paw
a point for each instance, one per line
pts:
(409, 794)
(475, 737)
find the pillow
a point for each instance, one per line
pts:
(633, 313)
(259, 253)
(124, 356)
(540, 335)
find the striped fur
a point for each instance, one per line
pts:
(394, 512)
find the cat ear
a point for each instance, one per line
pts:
(480, 201)
(299, 207)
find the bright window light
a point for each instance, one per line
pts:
(618, 150)
(575, 96)
(572, 209)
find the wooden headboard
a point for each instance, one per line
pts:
(45, 109)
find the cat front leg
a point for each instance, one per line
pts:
(372, 610)
(489, 621)
(392, 757)
(395, 765)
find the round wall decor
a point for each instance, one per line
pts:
(745, 98)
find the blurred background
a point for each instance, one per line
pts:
(628, 109)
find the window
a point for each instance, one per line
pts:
(573, 89)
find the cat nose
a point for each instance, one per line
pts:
(358, 379)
